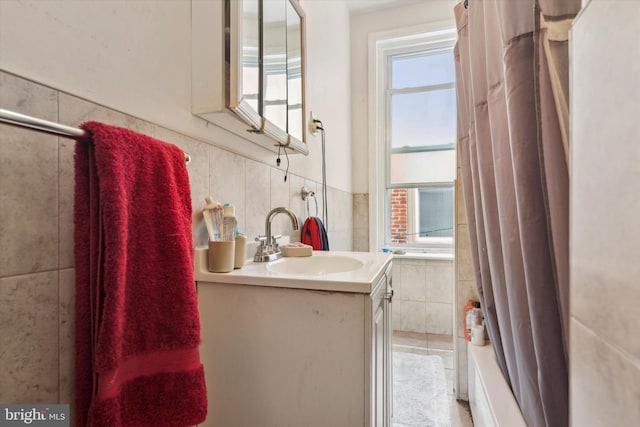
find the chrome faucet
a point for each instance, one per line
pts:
(268, 249)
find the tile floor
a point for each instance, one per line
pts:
(440, 345)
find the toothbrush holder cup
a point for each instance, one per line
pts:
(221, 256)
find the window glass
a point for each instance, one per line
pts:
(425, 167)
(423, 118)
(435, 207)
(420, 216)
(425, 69)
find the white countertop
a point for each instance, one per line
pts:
(361, 280)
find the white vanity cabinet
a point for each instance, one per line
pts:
(296, 356)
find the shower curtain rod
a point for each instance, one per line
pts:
(24, 121)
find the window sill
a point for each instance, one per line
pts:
(424, 255)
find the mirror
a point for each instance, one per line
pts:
(249, 78)
(274, 51)
(282, 80)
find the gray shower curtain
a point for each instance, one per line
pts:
(512, 85)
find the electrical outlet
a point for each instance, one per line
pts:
(313, 126)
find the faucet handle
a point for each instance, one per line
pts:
(274, 242)
(264, 251)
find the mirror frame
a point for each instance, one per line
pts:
(295, 142)
(235, 101)
(295, 111)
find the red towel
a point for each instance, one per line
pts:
(310, 234)
(137, 320)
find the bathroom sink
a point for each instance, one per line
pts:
(321, 264)
(335, 271)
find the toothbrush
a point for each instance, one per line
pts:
(209, 212)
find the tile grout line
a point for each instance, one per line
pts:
(58, 246)
(51, 270)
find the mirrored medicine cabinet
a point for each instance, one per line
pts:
(248, 69)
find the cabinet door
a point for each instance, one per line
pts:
(379, 359)
(382, 352)
(388, 349)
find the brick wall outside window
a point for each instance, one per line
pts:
(399, 215)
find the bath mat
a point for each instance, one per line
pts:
(419, 391)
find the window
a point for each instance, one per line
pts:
(419, 141)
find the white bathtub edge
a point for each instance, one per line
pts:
(492, 403)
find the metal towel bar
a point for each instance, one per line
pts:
(24, 121)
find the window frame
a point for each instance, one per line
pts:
(436, 40)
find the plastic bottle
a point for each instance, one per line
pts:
(241, 247)
(211, 215)
(468, 308)
(229, 222)
(477, 335)
(477, 313)
(477, 325)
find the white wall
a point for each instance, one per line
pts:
(328, 87)
(409, 18)
(135, 57)
(605, 184)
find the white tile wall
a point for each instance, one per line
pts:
(361, 222)
(29, 338)
(257, 197)
(439, 318)
(227, 181)
(66, 338)
(605, 183)
(409, 316)
(30, 219)
(463, 253)
(423, 296)
(413, 277)
(440, 282)
(598, 372)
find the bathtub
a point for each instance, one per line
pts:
(492, 403)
